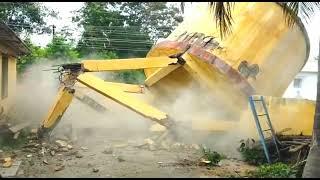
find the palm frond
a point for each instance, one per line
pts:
(222, 15)
(291, 10)
(182, 6)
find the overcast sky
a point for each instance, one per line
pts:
(65, 12)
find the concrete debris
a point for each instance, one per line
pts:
(121, 145)
(108, 150)
(64, 149)
(95, 170)
(45, 161)
(152, 147)
(16, 135)
(69, 146)
(52, 153)
(61, 143)
(204, 162)
(1, 151)
(72, 153)
(149, 141)
(59, 167)
(165, 145)
(120, 159)
(7, 162)
(177, 145)
(79, 155)
(29, 155)
(195, 146)
(84, 148)
(160, 162)
(43, 151)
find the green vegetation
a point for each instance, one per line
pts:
(277, 170)
(7, 142)
(212, 156)
(111, 30)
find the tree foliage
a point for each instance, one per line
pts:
(128, 28)
(26, 17)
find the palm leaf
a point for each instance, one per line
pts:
(291, 10)
(222, 16)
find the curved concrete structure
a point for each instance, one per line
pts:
(262, 55)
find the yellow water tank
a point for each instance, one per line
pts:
(262, 55)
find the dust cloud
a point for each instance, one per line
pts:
(37, 89)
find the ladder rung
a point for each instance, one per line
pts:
(256, 100)
(262, 114)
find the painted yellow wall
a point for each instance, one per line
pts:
(296, 114)
(8, 102)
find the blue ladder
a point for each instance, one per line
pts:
(260, 131)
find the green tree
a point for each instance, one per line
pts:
(35, 55)
(128, 28)
(25, 17)
(60, 48)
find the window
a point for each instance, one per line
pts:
(4, 82)
(297, 82)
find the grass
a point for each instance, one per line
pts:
(7, 142)
(277, 170)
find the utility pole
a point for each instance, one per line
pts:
(53, 31)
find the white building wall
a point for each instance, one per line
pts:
(308, 87)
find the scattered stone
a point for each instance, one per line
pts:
(108, 150)
(79, 155)
(34, 131)
(29, 155)
(61, 143)
(177, 145)
(195, 146)
(121, 145)
(84, 148)
(16, 135)
(64, 149)
(20, 172)
(45, 161)
(59, 154)
(204, 162)
(72, 153)
(152, 147)
(52, 153)
(165, 145)
(69, 147)
(1, 151)
(120, 159)
(43, 151)
(149, 141)
(59, 167)
(95, 170)
(160, 162)
(7, 162)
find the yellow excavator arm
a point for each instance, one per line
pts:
(119, 92)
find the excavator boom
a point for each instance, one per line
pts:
(119, 92)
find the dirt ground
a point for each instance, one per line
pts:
(115, 156)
